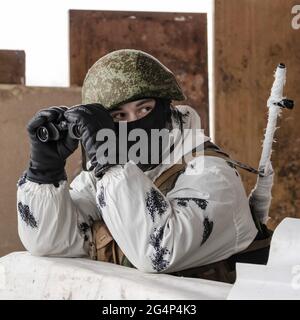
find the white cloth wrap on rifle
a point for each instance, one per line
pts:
(260, 196)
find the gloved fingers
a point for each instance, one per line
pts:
(91, 108)
(73, 117)
(59, 112)
(102, 114)
(87, 113)
(96, 108)
(81, 116)
(67, 146)
(52, 114)
(90, 119)
(77, 113)
(63, 109)
(36, 122)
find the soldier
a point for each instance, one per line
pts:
(187, 219)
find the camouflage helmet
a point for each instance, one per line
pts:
(126, 75)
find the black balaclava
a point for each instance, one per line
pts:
(158, 118)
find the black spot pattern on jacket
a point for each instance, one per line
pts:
(201, 203)
(159, 263)
(26, 215)
(83, 228)
(208, 227)
(22, 180)
(155, 203)
(101, 199)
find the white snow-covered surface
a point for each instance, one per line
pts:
(23, 276)
(285, 246)
(27, 277)
(280, 278)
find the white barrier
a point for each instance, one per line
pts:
(280, 278)
(29, 277)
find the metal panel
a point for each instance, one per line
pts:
(12, 66)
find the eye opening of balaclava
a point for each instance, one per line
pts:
(159, 118)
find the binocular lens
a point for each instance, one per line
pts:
(42, 134)
(74, 132)
(54, 132)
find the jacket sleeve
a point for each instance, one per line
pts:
(203, 219)
(55, 221)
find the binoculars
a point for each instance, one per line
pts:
(54, 132)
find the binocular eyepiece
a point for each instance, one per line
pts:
(54, 132)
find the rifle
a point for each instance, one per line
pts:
(260, 196)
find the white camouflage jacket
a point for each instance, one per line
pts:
(203, 219)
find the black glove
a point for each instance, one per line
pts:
(47, 159)
(91, 118)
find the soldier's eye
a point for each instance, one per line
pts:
(146, 109)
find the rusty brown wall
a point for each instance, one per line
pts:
(12, 66)
(17, 105)
(251, 38)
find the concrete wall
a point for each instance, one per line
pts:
(17, 105)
